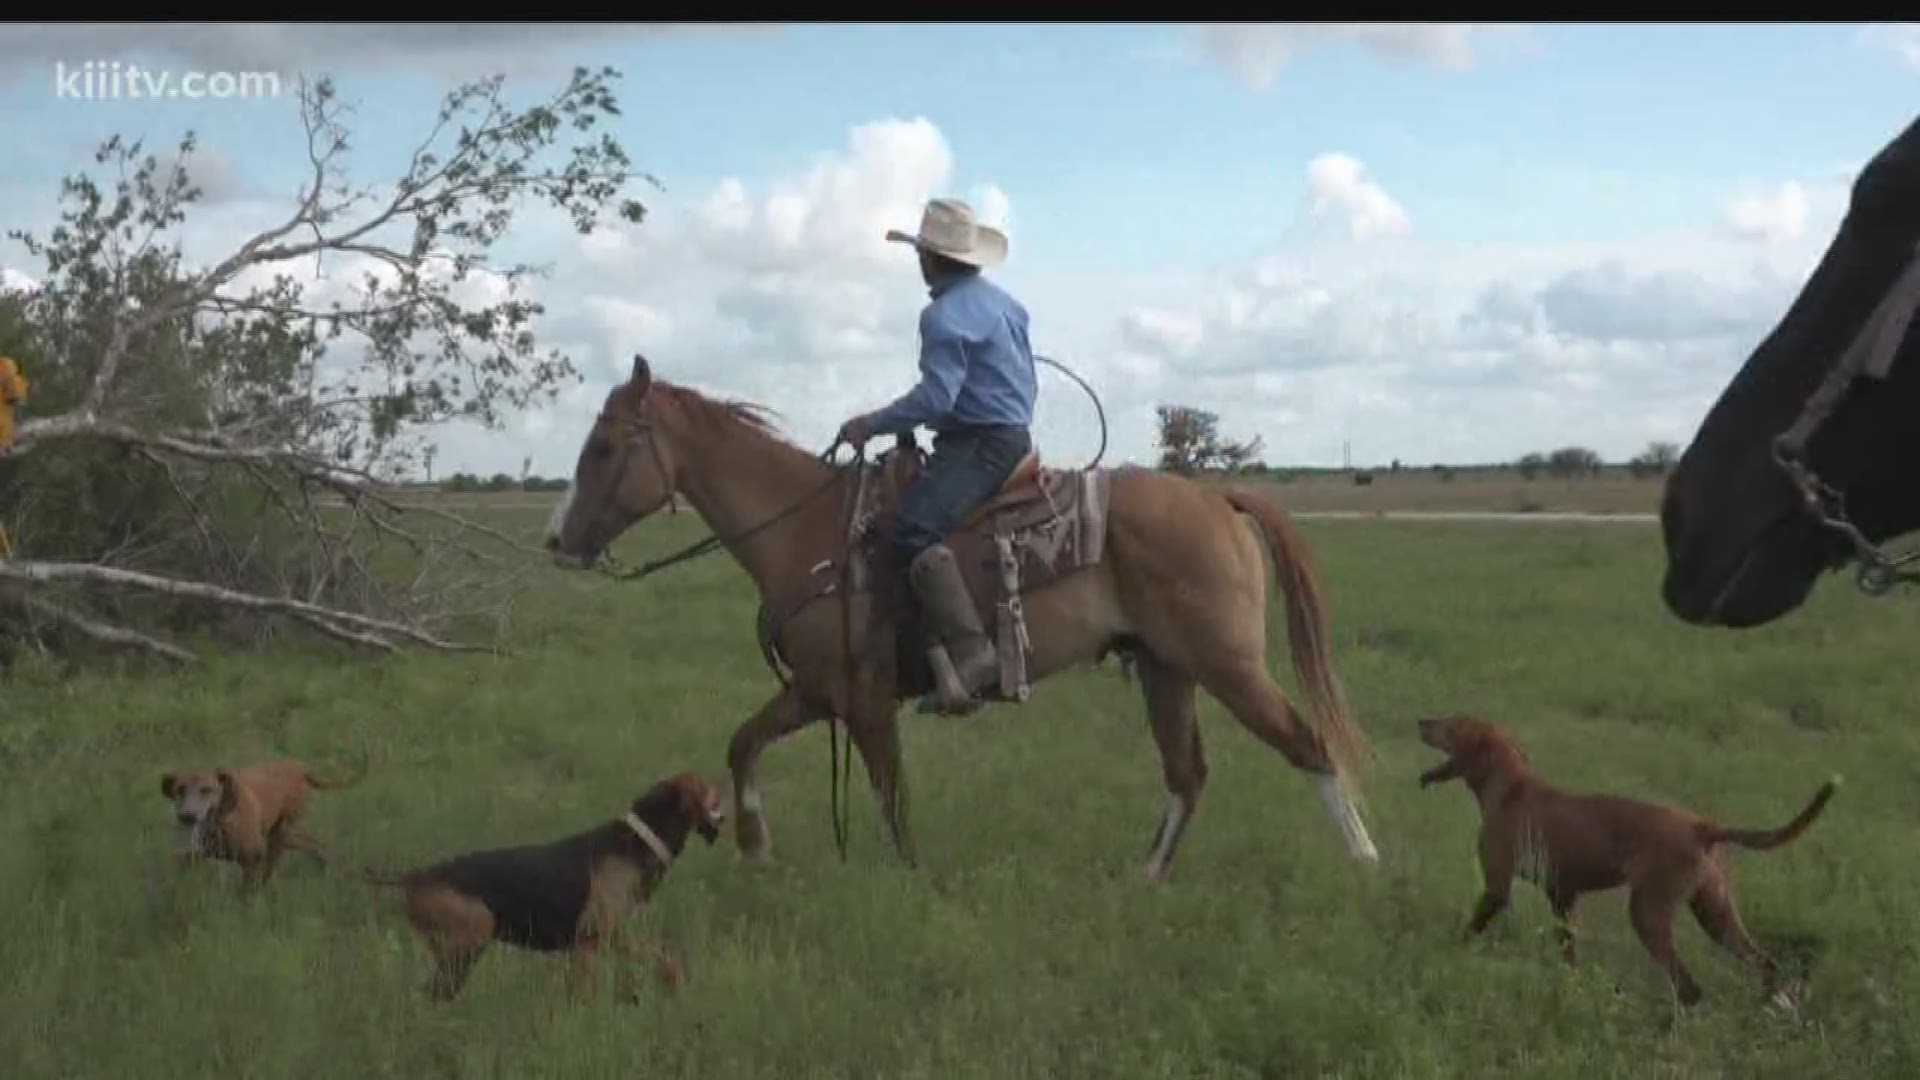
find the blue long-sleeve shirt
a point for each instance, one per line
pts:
(976, 366)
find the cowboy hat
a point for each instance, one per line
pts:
(947, 228)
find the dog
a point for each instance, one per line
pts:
(1573, 844)
(565, 896)
(247, 815)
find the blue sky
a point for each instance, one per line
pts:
(1441, 242)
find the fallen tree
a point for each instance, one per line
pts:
(217, 439)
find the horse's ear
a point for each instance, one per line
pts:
(642, 379)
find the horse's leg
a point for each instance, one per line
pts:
(1254, 699)
(782, 716)
(876, 734)
(1176, 731)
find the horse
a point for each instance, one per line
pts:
(1806, 461)
(1178, 591)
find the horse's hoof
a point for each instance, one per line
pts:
(750, 833)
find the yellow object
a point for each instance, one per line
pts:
(13, 391)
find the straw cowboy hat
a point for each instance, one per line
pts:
(947, 228)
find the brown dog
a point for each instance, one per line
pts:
(1573, 844)
(568, 895)
(247, 815)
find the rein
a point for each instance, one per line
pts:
(1869, 356)
(611, 566)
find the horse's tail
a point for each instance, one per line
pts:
(1307, 635)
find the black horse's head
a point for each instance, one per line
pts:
(1743, 548)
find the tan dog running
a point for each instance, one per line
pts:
(247, 815)
(568, 895)
(1573, 844)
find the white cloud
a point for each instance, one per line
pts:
(779, 289)
(835, 213)
(1780, 215)
(12, 280)
(1257, 53)
(1900, 40)
(1463, 352)
(1608, 302)
(1425, 351)
(1338, 181)
(1170, 333)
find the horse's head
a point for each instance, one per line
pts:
(1743, 548)
(624, 473)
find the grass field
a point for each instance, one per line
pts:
(1027, 944)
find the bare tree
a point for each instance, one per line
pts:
(1569, 462)
(1656, 460)
(1190, 442)
(243, 435)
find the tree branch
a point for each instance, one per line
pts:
(34, 571)
(103, 632)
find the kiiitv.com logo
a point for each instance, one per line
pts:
(111, 80)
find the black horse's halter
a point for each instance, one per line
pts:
(1869, 356)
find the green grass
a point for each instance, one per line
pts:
(1027, 944)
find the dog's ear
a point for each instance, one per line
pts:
(229, 789)
(1498, 738)
(698, 803)
(169, 783)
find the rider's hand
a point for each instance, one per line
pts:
(856, 432)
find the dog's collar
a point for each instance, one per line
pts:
(649, 837)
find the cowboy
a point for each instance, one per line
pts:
(976, 393)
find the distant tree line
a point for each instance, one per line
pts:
(1574, 462)
(1190, 443)
(466, 483)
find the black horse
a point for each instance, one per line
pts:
(1811, 457)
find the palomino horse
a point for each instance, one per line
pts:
(1181, 589)
(1808, 459)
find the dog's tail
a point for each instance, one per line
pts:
(323, 783)
(1768, 839)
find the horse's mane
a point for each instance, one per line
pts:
(721, 415)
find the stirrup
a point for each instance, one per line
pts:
(949, 696)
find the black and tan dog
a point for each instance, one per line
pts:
(568, 895)
(247, 815)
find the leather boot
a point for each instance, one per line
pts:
(967, 665)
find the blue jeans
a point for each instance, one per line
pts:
(966, 468)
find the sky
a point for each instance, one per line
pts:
(1433, 242)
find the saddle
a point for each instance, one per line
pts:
(1043, 525)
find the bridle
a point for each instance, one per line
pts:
(637, 429)
(1869, 356)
